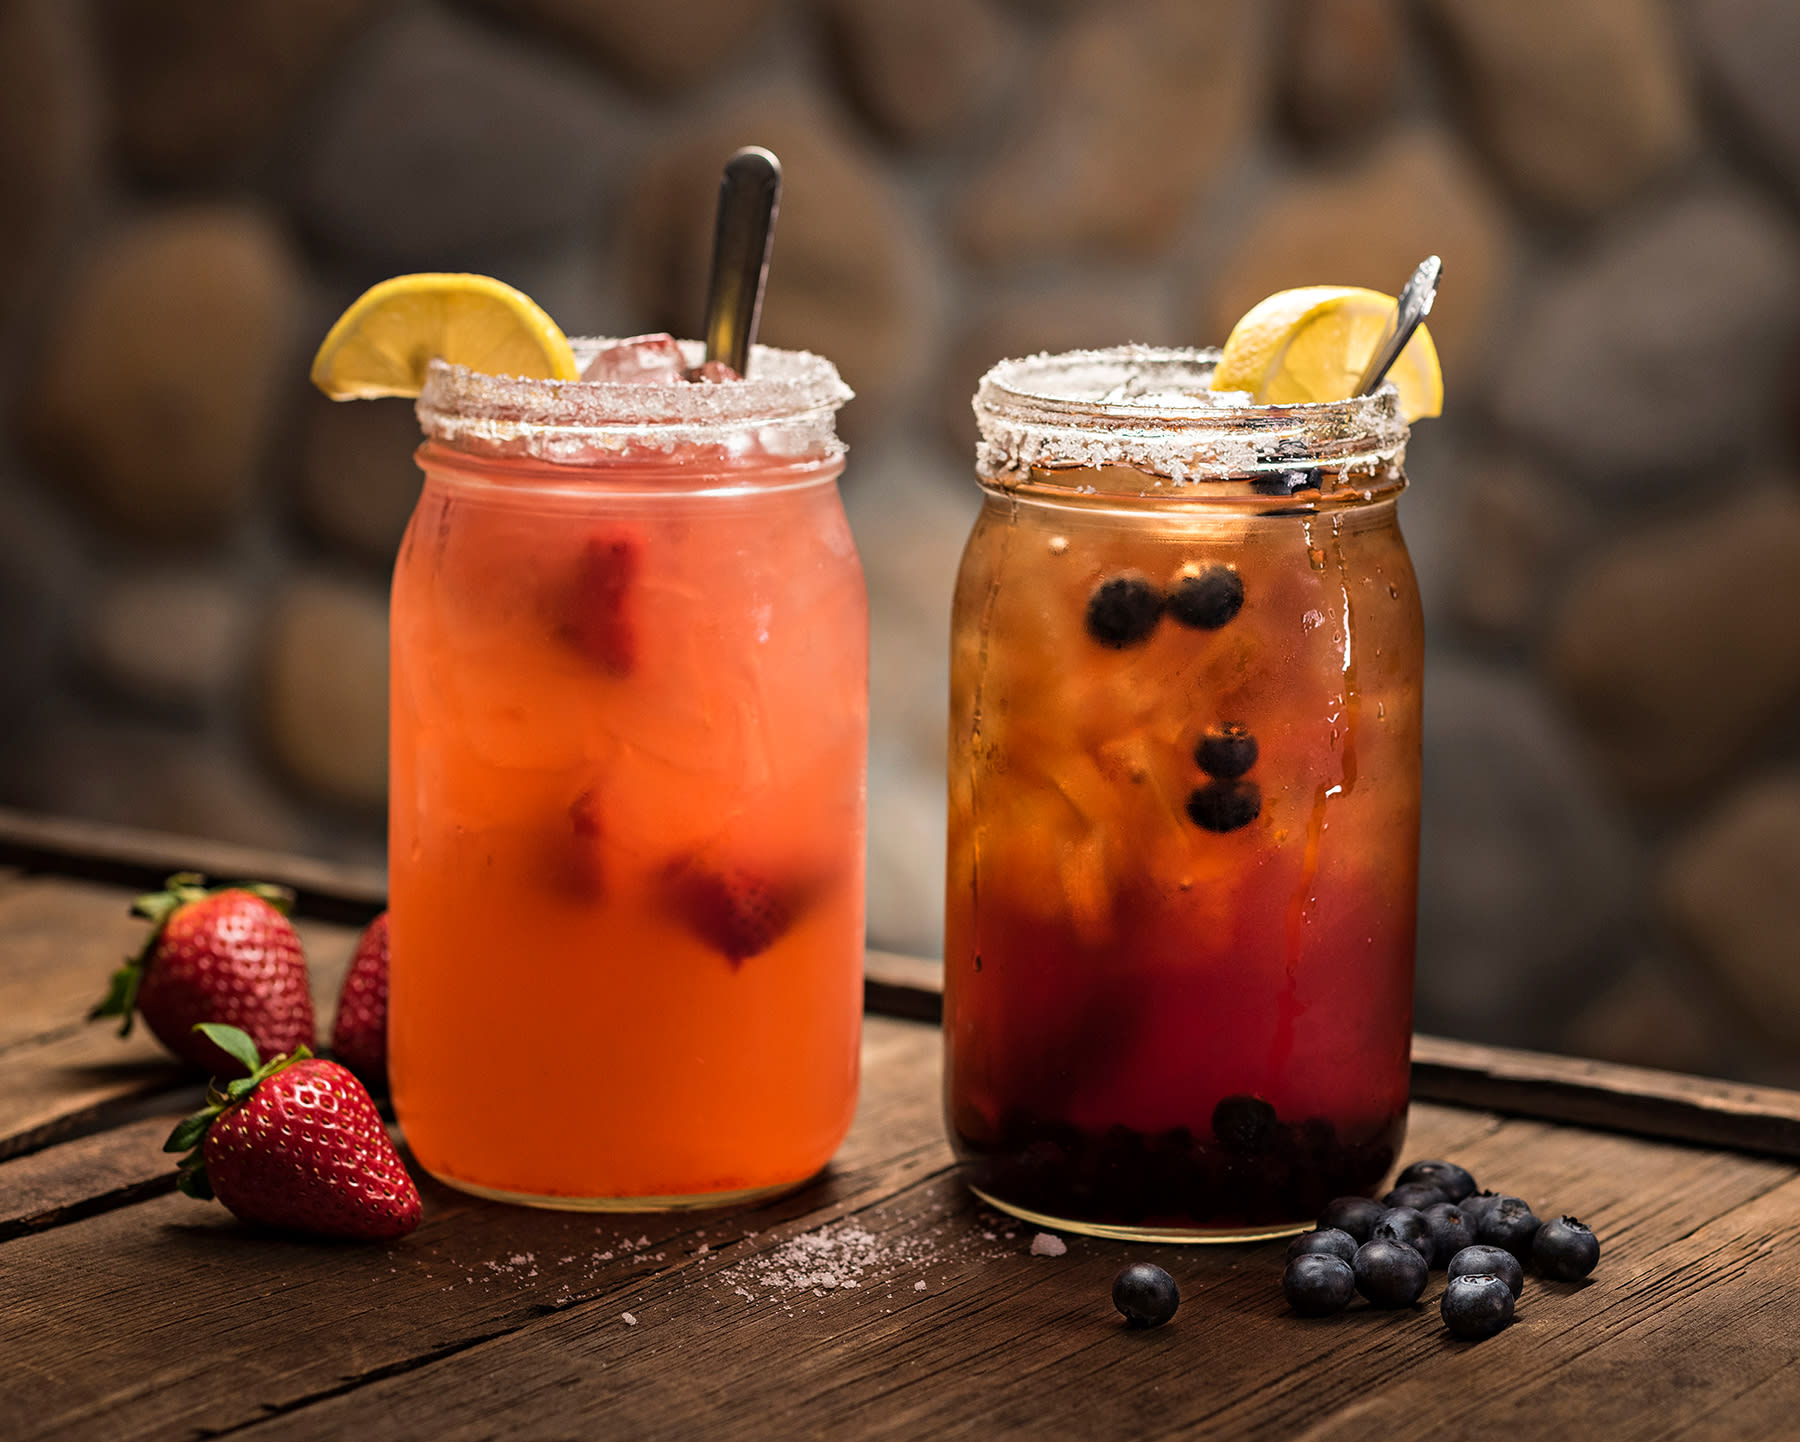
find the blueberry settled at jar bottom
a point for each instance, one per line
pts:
(1165, 1184)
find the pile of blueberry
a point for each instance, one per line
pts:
(1385, 1250)
(1123, 611)
(1434, 1216)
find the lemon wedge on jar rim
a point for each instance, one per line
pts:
(1313, 343)
(381, 345)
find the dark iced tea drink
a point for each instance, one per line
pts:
(1184, 801)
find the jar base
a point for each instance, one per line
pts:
(698, 1201)
(1130, 1233)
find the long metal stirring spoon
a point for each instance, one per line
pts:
(1415, 304)
(749, 200)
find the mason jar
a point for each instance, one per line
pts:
(1184, 802)
(628, 737)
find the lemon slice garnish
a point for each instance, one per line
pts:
(1313, 343)
(381, 345)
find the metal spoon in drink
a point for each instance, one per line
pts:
(1414, 306)
(749, 200)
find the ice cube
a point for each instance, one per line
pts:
(711, 371)
(643, 360)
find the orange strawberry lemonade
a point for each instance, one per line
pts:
(1179, 969)
(629, 670)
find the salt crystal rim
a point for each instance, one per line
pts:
(786, 407)
(1150, 408)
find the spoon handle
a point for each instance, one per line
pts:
(1414, 306)
(749, 197)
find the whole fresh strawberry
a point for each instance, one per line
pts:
(228, 955)
(359, 1035)
(296, 1143)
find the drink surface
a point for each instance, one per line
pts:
(1163, 1014)
(626, 811)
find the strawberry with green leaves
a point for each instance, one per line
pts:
(229, 955)
(295, 1144)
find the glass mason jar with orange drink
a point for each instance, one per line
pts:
(628, 677)
(1184, 796)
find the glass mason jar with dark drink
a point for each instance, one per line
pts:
(1184, 802)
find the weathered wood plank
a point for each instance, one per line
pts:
(141, 860)
(60, 940)
(1604, 1094)
(92, 1174)
(999, 1343)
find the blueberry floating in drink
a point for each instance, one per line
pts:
(1226, 752)
(1123, 611)
(1225, 805)
(1206, 599)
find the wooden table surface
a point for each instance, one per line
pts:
(127, 1310)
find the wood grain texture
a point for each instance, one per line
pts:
(1604, 1094)
(92, 1174)
(60, 940)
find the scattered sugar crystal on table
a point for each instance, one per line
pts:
(918, 1286)
(628, 1319)
(1046, 1244)
(828, 1260)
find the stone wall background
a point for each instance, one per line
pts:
(193, 547)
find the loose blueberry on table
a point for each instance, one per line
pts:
(1145, 1295)
(1453, 1181)
(1508, 1223)
(1477, 1205)
(1565, 1250)
(1417, 1195)
(1476, 1305)
(1407, 1226)
(1355, 1215)
(1390, 1273)
(1491, 1261)
(1451, 1231)
(1317, 1284)
(1326, 1241)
